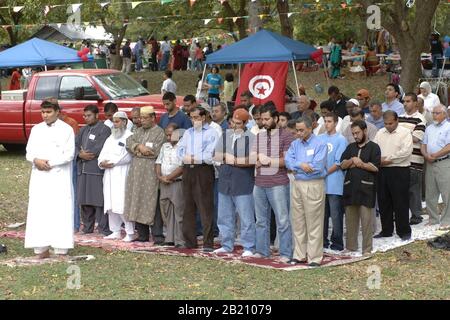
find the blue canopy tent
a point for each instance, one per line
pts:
(37, 52)
(263, 46)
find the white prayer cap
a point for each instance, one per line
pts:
(354, 101)
(121, 115)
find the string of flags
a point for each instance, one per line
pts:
(307, 8)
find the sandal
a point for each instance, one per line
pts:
(444, 228)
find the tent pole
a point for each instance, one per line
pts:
(239, 75)
(326, 73)
(296, 80)
(45, 67)
(203, 77)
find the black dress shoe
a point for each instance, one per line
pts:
(159, 243)
(296, 261)
(314, 264)
(382, 235)
(208, 249)
(406, 237)
(168, 244)
(140, 240)
(415, 220)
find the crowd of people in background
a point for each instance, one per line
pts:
(246, 171)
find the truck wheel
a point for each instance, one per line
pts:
(14, 147)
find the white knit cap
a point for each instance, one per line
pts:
(354, 101)
(120, 114)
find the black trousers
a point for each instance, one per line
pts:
(89, 214)
(198, 185)
(143, 231)
(158, 225)
(393, 198)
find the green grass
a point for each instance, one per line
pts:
(411, 272)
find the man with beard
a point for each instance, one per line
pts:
(110, 109)
(88, 144)
(189, 104)
(115, 160)
(272, 184)
(142, 183)
(196, 150)
(361, 160)
(50, 149)
(136, 118)
(173, 114)
(258, 125)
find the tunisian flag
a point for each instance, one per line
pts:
(266, 81)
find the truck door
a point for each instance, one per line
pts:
(67, 100)
(45, 87)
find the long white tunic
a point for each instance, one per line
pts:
(50, 206)
(114, 179)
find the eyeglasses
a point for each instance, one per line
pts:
(435, 112)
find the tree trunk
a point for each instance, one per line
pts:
(240, 22)
(411, 29)
(411, 66)
(286, 26)
(254, 22)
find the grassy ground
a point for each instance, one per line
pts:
(411, 272)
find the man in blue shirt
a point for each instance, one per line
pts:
(436, 151)
(196, 149)
(307, 158)
(334, 183)
(173, 114)
(215, 83)
(392, 95)
(376, 115)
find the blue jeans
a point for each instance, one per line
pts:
(227, 220)
(334, 209)
(164, 60)
(76, 208)
(277, 198)
(437, 64)
(138, 65)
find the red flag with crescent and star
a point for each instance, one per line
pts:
(266, 81)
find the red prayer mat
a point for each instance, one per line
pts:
(96, 241)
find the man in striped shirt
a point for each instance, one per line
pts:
(414, 121)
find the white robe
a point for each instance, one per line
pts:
(50, 206)
(114, 179)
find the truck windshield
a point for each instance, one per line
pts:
(119, 85)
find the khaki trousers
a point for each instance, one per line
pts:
(353, 214)
(307, 214)
(171, 203)
(437, 181)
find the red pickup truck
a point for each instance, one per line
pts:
(74, 90)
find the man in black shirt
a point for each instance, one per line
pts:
(126, 57)
(339, 99)
(361, 159)
(436, 53)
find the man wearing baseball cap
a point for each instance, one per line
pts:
(363, 98)
(236, 182)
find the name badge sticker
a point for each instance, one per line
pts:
(92, 137)
(149, 144)
(310, 152)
